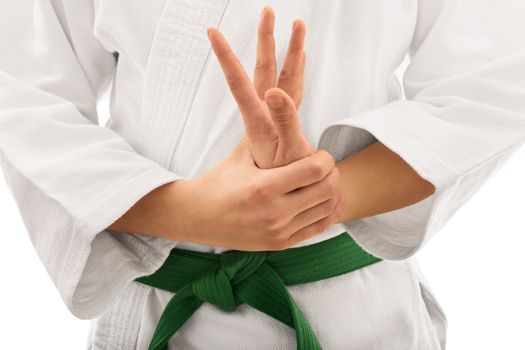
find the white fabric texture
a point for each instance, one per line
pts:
(172, 116)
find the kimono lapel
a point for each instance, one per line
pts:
(178, 53)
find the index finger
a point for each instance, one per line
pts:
(265, 65)
(255, 119)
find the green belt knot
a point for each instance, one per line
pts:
(216, 286)
(259, 279)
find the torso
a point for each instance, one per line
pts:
(171, 102)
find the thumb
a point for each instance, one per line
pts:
(283, 112)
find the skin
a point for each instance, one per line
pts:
(240, 206)
(273, 128)
(274, 190)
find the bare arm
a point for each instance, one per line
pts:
(376, 180)
(159, 211)
(240, 206)
(236, 204)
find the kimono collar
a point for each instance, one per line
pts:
(179, 51)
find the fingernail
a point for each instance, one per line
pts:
(208, 31)
(274, 100)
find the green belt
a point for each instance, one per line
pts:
(255, 278)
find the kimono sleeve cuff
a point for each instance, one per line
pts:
(102, 262)
(397, 234)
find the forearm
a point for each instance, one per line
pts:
(376, 180)
(159, 212)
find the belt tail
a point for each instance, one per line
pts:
(178, 310)
(265, 291)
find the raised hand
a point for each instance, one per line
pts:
(274, 190)
(240, 203)
(272, 127)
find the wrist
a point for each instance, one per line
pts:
(344, 174)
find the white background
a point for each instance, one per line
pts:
(474, 265)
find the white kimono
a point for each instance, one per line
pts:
(172, 116)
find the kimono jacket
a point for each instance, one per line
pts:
(455, 117)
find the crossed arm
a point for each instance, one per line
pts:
(372, 181)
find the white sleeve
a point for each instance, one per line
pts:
(463, 116)
(70, 177)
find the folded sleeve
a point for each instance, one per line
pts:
(461, 120)
(70, 177)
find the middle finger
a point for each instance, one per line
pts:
(265, 66)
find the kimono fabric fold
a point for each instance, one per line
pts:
(255, 278)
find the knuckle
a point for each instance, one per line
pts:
(258, 191)
(264, 32)
(271, 219)
(262, 64)
(316, 170)
(326, 156)
(278, 234)
(328, 188)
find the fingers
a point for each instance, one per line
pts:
(309, 196)
(314, 214)
(316, 227)
(284, 116)
(300, 173)
(292, 74)
(256, 122)
(265, 66)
